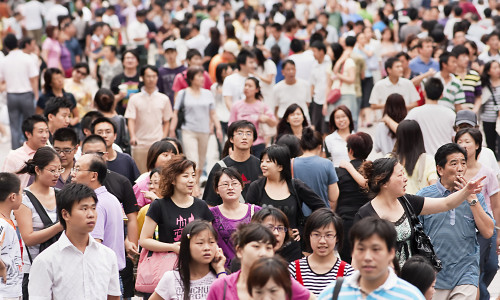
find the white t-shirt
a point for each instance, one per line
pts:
(436, 122)
(337, 147)
(384, 88)
(205, 27)
(54, 12)
(170, 286)
(233, 86)
(286, 95)
(383, 140)
(10, 247)
(267, 89)
(319, 74)
(32, 12)
(303, 62)
(487, 158)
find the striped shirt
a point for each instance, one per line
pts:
(393, 288)
(471, 84)
(313, 281)
(489, 113)
(453, 93)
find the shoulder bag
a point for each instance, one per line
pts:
(47, 222)
(335, 94)
(152, 266)
(421, 243)
(181, 114)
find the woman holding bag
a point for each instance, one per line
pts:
(170, 214)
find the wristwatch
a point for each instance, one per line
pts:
(473, 202)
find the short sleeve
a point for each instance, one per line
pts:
(430, 169)
(206, 213)
(177, 85)
(98, 232)
(129, 201)
(226, 88)
(414, 96)
(299, 292)
(177, 103)
(40, 279)
(270, 67)
(291, 269)
(114, 276)
(332, 174)
(130, 112)
(416, 202)
(166, 286)
(154, 211)
(167, 110)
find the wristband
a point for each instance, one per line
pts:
(223, 272)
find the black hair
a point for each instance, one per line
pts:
(54, 104)
(242, 57)
(82, 65)
(447, 10)
(66, 134)
(283, 125)
(259, 56)
(218, 72)
(378, 172)
(175, 141)
(141, 13)
(98, 165)
(10, 41)
(277, 26)
(310, 139)
(459, 50)
(274, 213)
(258, 95)
(370, 226)
(413, 13)
(390, 62)
(444, 57)
(280, 155)
(104, 100)
(434, 88)
(102, 120)
(485, 77)
(47, 77)
(29, 123)
(93, 138)
(404, 54)
(192, 53)
(88, 118)
(319, 45)
(347, 112)
(252, 232)
(350, 41)
(191, 73)
(487, 12)
(395, 108)
(409, 144)
(131, 51)
(240, 124)
(287, 62)
(192, 229)
(321, 218)
(475, 134)
(9, 183)
(292, 143)
(43, 156)
(457, 10)
(337, 50)
(441, 156)
(361, 144)
(112, 48)
(419, 272)
(231, 172)
(70, 195)
(296, 46)
(24, 42)
(156, 150)
(149, 67)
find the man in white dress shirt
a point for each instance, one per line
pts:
(76, 266)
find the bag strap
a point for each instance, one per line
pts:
(39, 209)
(336, 289)
(340, 271)
(298, 274)
(252, 210)
(225, 289)
(492, 95)
(222, 164)
(182, 100)
(413, 217)
(291, 166)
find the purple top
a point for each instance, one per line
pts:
(109, 224)
(217, 289)
(66, 58)
(225, 228)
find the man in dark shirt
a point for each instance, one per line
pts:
(120, 163)
(169, 70)
(127, 83)
(241, 135)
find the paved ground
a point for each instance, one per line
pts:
(494, 287)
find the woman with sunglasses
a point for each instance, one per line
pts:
(46, 168)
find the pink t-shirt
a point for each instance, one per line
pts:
(180, 83)
(241, 110)
(53, 49)
(217, 289)
(139, 186)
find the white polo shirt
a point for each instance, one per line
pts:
(64, 272)
(16, 69)
(384, 88)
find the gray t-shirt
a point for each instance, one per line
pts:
(37, 225)
(196, 110)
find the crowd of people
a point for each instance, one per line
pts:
(218, 149)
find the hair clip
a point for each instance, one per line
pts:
(189, 236)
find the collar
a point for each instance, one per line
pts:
(100, 190)
(419, 60)
(390, 282)
(389, 82)
(64, 242)
(144, 91)
(442, 190)
(28, 149)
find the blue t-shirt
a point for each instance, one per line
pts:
(453, 235)
(318, 173)
(420, 67)
(124, 164)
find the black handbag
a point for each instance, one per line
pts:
(421, 243)
(181, 118)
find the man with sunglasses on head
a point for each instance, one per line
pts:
(121, 188)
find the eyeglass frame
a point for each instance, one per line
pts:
(66, 150)
(226, 185)
(58, 171)
(317, 237)
(280, 228)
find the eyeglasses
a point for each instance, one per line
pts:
(76, 170)
(328, 237)
(56, 172)
(277, 228)
(226, 185)
(241, 133)
(96, 153)
(65, 150)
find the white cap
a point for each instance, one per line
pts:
(169, 45)
(231, 47)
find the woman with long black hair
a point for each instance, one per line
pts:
(490, 81)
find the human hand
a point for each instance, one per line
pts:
(176, 247)
(131, 250)
(324, 110)
(3, 272)
(218, 134)
(344, 164)
(149, 195)
(295, 234)
(133, 141)
(430, 73)
(219, 261)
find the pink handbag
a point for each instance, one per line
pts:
(151, 267)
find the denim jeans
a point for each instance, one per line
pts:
(20, 107)
(488, 264)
